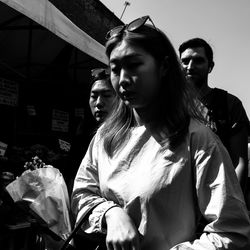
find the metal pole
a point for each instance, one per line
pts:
(126, 4)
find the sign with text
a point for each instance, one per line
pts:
(60, 120)
(64, 145)
(31, 110)
(79, 112)
(8, 92)
(3, 147)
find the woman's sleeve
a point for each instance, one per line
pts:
(87, 200)
(220, 199)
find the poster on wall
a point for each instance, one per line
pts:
(31, 110)
(8, 92)
(3, 147)
(79, 112)
(60, 121)
(64, 145)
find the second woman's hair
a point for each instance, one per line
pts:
(174, 105)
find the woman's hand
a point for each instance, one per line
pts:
(121, 231)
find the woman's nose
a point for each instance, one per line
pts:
(124, 80)
(190, 64)
(99, 101)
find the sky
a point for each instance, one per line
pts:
(222, 23)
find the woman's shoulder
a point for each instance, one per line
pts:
(199, 132)
(203, 141)
(196, 126)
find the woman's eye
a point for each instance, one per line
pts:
(133, 65)
(185, 61)
(107, 96)
(114, 68)
(93, 96)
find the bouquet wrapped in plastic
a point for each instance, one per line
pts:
(45, 190)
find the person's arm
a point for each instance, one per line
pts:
(238, 144)
(87, 200)
(121, 231)
(101, 215)
(220, 201)
(238, 139)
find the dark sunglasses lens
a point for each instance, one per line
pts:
(137, 23)
(96, 72)
(114, 32)
(100, 72)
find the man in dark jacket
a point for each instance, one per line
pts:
(223, 111)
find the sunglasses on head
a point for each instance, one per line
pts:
(100, 72)
(132, 26)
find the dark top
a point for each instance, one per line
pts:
(225, 114)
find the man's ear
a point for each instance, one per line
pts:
(211, 67)
(165, 66)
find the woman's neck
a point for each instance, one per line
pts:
(143, 116)
(139, 117)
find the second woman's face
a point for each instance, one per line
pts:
(135, 75)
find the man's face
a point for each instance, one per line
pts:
(196, 66)
(101, 99)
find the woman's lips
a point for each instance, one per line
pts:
(128, 95)
(100, 113)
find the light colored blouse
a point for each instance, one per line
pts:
(165, 191)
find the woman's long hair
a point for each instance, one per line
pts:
(175, 103)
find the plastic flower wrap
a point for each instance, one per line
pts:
(44, 188)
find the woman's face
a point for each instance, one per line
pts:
(101, 100)
(135, 75)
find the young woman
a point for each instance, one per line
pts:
(153, 169)
(102, 95)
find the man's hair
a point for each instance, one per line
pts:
(197, 43)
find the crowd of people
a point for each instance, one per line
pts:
(167, 166)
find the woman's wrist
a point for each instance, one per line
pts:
(108, 214)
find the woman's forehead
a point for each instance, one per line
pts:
(102, 84)
(125, 50)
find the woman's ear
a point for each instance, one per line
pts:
(164, 66)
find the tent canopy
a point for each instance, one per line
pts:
(37, 41)
(47, 15)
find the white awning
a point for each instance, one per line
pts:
(46, 14)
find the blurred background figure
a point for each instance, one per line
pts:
(101, 100)
(224, 112)
(102, 94)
